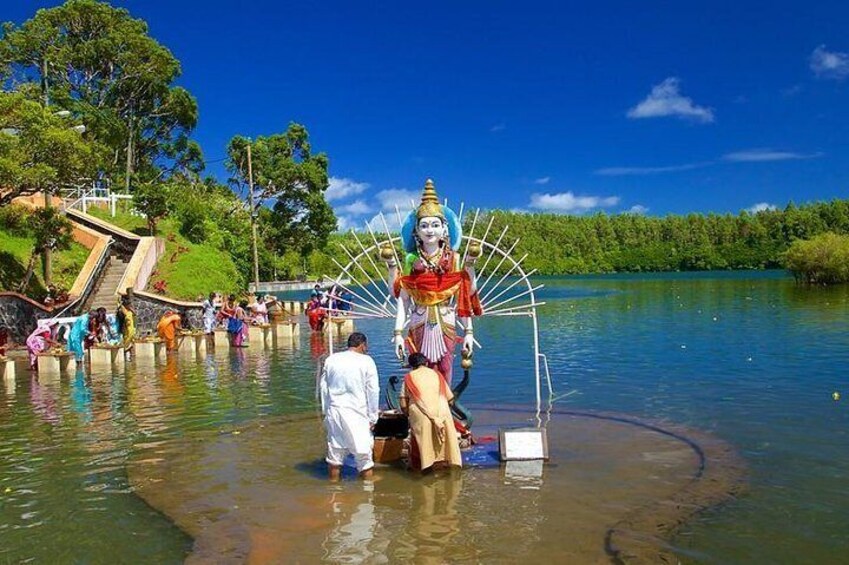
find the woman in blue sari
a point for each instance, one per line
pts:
(79, 331)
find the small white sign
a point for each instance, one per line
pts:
(523, 444)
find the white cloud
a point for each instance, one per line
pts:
(342, 188)
(761, 207)
(377, 225)
(497, 127)
(566, 202)
(638, 209)
(623, 171)
(400, 197)
(356, 208)
(666, 100)
(542, 180)
(345, 223)
(829, 64)
(765, 154)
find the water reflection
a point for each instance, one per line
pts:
(434, 519)
(81, 396)
(762, 358)
(43, 393)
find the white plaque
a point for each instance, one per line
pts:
(523, 444)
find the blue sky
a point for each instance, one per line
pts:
(541, 106)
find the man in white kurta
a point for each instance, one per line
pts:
(349, 401)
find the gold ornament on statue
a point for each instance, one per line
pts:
(387, 253)
(466, 360)
(474, 250)
(429, 207)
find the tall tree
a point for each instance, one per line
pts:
(289, 177)
(40, 150)
(100, 62)
(51, 231)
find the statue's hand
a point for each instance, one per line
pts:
(468, 344)
(400, 348)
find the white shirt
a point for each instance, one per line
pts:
(349, 381)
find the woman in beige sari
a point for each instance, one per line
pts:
(425, 399)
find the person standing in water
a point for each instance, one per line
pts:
(349, 401)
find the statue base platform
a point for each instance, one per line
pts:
(340, 326)
(149, 350)
(221, 339)
(194, 341)
(7, 368)
(111, 356)
(288, 328)
(262, 335)
(55, 364)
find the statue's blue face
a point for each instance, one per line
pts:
(430, 230)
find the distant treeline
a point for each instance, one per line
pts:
(601, 243)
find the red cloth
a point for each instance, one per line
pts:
(432, 288)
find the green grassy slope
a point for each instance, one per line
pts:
(189, 270)
(15, 252)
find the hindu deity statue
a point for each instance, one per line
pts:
(434, 290)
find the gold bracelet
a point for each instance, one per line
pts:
(470, 331)
(398, 332)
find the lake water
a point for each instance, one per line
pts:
(747, 357)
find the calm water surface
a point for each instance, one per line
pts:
(750, 358)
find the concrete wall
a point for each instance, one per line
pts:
(20, 314)
(142, 263)
(125, 242)
(151, 307)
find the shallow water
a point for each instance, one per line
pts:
(750, 358)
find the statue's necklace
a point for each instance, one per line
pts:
(432, 260)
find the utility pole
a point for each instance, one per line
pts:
(253, 221)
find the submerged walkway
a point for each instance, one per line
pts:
(616, 489)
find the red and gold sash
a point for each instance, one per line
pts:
(430, 289)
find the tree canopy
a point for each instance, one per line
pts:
(289, 177)
(40, 150)
(100, 63)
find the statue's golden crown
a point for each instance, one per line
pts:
(430, 206)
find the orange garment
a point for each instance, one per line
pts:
(167, 330)
(431, 422)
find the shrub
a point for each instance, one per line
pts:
(14, 219)
(823, 259)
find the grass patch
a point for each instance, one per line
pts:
(15, 251)
(188, 270)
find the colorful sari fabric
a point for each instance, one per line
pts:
(167, 330)
(36, 343)
(432, 325)
(128, 326)
(77, 336)
(431, 422)
(316, 315)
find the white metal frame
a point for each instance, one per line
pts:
(502, 298)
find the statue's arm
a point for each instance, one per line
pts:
(468, 335)
(400, 322)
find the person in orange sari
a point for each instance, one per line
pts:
(426, 398)
(167, 329)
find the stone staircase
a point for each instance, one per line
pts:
(104, 294)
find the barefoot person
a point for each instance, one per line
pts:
(425, 399)
(349, 401)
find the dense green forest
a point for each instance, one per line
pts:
(601, 243)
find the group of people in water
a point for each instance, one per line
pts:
(95, 326)
(98, 326)
(338, 300)
(349, 391)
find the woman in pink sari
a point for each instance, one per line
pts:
(39, 340)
